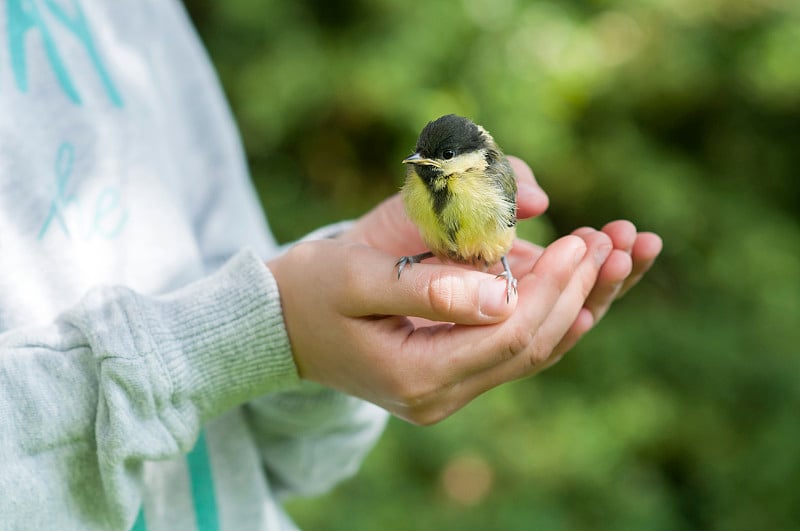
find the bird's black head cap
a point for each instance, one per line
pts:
(450, 132)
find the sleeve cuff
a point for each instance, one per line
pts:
(222, 339)
(167, 364)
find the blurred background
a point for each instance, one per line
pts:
(682, 411)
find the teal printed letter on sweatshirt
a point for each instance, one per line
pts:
(105, 216)
(25, 15)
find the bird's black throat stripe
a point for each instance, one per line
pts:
(440, 195)
(431, 177)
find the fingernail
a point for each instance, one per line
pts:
(492, 297)
(580, 252)
(601, 253)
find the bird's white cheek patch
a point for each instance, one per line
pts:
(466, 162)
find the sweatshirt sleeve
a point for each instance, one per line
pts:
(311, 437)
(122, 377)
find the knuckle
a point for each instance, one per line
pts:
(538, 355)
(519, 340)
(523, 343)
(442, 293)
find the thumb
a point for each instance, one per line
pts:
(438, 292)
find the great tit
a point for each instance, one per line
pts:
(460, 191)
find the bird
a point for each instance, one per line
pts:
(460, 191)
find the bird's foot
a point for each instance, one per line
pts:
(408, 260)
(511, 282)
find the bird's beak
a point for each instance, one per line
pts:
(416, 158)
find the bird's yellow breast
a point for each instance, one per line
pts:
(472, 223)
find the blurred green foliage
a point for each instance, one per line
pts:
(681, 410)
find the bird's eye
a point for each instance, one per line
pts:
(448, 154)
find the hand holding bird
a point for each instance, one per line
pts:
(346, 316)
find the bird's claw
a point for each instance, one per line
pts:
(511, 282)
(404, 261)
(408, 260)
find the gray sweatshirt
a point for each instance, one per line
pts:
(146, 378)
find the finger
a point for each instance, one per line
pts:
(622, 233)
(583, 323)
(571, 303)
(521, 258)
(462, 391)
(531, 199)
(619, 273)
(644, 253)
(609, 282)
(533, 352)
(436, 292)
(465, 350)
